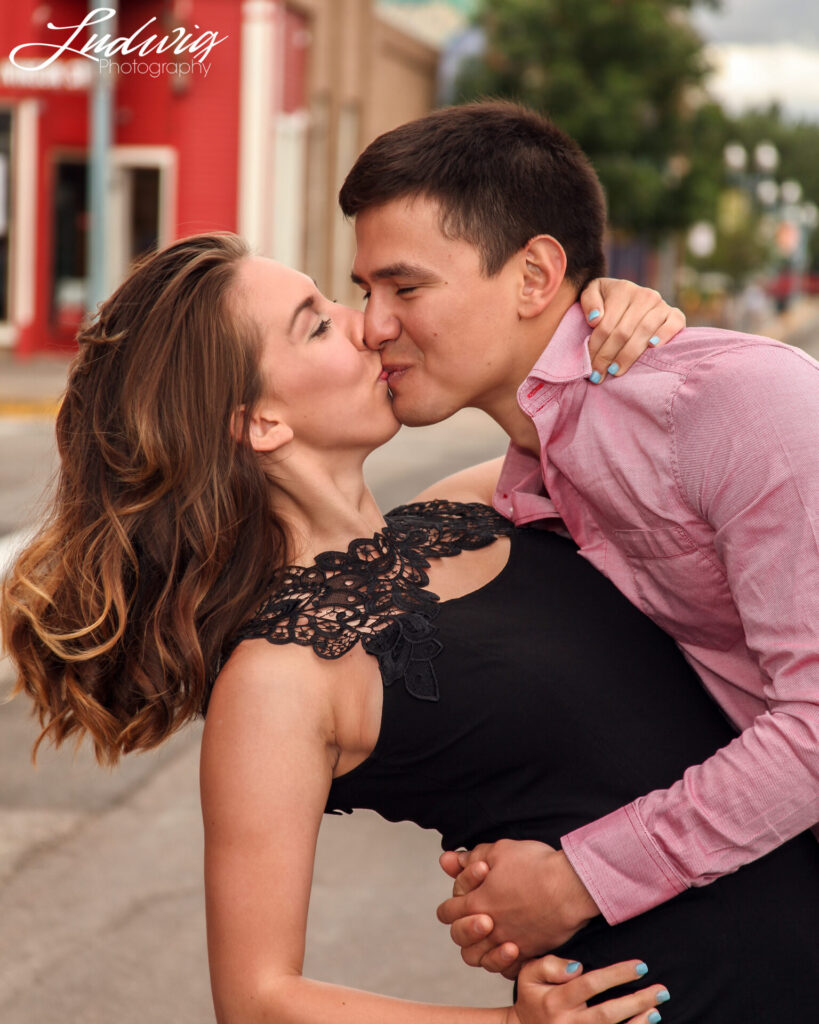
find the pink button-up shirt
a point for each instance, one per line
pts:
(693, 483)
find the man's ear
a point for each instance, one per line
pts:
(265, 431)
(544, 270)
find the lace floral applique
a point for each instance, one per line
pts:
(374, 592)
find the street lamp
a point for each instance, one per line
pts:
(748, 206)
(791, 192)
(702, 239)
(810, 216)
(767, 192)
(736, 157)
(766, 157)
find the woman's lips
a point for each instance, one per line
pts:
(393, 373)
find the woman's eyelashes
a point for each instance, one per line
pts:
(323, 327)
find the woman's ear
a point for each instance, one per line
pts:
(265, 432)
(544, 270)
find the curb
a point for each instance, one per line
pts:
(30, 407)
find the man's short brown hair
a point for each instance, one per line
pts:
(501, 174)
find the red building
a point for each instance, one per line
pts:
(239, 115)
(178, 162)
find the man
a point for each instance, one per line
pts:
(693, 483)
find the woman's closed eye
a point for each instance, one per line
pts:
(323, 327)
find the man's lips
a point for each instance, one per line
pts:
(392, 373)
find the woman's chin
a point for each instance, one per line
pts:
(387, 434)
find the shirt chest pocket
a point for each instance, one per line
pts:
(680, 588)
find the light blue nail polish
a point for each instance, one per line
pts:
(663, 997)
(573, 966)
(595, 377)
(654, 1017)
(594, 315)
(654, 340)
(641, 970)
(613, 368)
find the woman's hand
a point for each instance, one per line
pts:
(627, 319)
(554, 991)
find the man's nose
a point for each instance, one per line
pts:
(380, 326)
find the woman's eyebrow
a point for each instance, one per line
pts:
(308, 303)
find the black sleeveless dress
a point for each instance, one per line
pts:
(532, 706)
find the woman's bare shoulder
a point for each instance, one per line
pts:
(477, 483)
(279, 681)
(256, 660)
(285, 681)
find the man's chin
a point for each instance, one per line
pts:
(412, 414)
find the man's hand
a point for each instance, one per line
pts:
(512, 900)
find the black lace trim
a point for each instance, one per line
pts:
(374, 593)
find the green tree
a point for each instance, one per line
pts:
(624, 78)
(798, 147)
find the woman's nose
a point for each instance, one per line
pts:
(355, 327)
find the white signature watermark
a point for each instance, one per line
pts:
(101, 48)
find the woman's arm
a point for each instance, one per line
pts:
(267, 760)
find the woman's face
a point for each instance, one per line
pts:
(319, 378)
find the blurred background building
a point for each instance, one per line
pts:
(256, 139)
(99, 164)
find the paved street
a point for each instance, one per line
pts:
(101, 911)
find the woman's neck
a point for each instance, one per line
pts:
(325, 502)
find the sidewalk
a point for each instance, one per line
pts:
(32, 387)
(794, 326)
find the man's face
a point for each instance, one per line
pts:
(444, 330)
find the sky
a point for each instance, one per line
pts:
(763, 50)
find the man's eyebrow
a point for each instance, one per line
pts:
(395, 270)
(307, 303)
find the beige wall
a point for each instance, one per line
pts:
(365, 78)
(402, 84)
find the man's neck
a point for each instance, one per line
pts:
(514, 421)
(533, 339)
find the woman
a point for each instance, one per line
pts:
(212, 519)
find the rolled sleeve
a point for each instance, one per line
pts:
(745, 431)
(620, 865)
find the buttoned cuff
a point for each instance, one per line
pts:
(620, 865)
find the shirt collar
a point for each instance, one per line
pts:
(566, 357)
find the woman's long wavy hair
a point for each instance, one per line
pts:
(160, 540)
